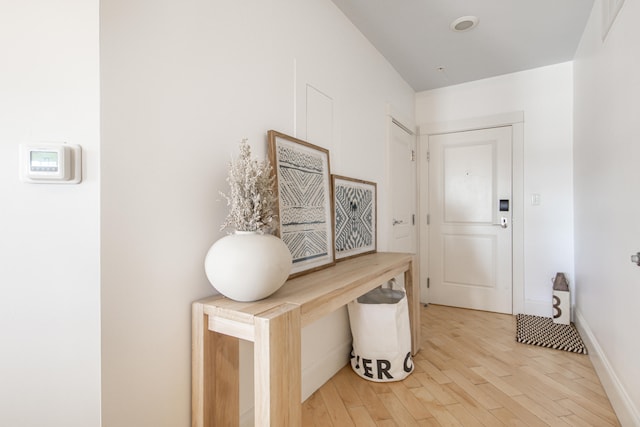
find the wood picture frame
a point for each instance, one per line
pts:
(304, 207)
(355, 217)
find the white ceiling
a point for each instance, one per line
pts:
(512, 35)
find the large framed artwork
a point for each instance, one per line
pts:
(303, 185)
(355, 223)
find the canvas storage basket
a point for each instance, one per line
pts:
(381, 334)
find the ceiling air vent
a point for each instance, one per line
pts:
(464, 23)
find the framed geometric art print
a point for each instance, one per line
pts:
(354, 225)
(303, 185)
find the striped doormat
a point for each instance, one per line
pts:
(538, 330)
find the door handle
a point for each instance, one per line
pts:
(504, 223)
(396, 222)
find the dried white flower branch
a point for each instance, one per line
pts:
(252, 197)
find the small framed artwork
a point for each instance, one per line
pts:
(303, 184)
(354, 205)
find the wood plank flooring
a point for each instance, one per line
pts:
(469, 372)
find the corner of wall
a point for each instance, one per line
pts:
(626, 410)
(537, 307)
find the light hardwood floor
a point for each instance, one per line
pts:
(469, 372)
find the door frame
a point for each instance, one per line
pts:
(516, 121)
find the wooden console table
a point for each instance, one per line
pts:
(274, 326)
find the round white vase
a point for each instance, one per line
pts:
(247, 265)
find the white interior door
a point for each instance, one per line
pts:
(470, 238)
(402, 188)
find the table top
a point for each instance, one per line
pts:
(317, 293)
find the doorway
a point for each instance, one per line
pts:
(401, 155)
(470, 222)
(471, 240)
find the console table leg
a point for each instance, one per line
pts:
(277, 367)
(413, 298)
(225, 396)
(215, 361)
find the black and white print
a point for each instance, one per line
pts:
(354, 216)
(304, 200)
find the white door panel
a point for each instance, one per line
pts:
(469, 247)
(469, 259)
(468, 183)
(402, 190)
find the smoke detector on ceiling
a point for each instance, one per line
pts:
(464, 23)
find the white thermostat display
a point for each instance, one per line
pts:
(50, 163)
(45, 161)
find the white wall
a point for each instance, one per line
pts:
(49, 234)
(183, 81)
(607, 206)
(545, 97)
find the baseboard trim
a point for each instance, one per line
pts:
(627, 412)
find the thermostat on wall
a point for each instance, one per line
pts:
(50, 163)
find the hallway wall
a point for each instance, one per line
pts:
(183, 82)
(607, 206)
(49, 233)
